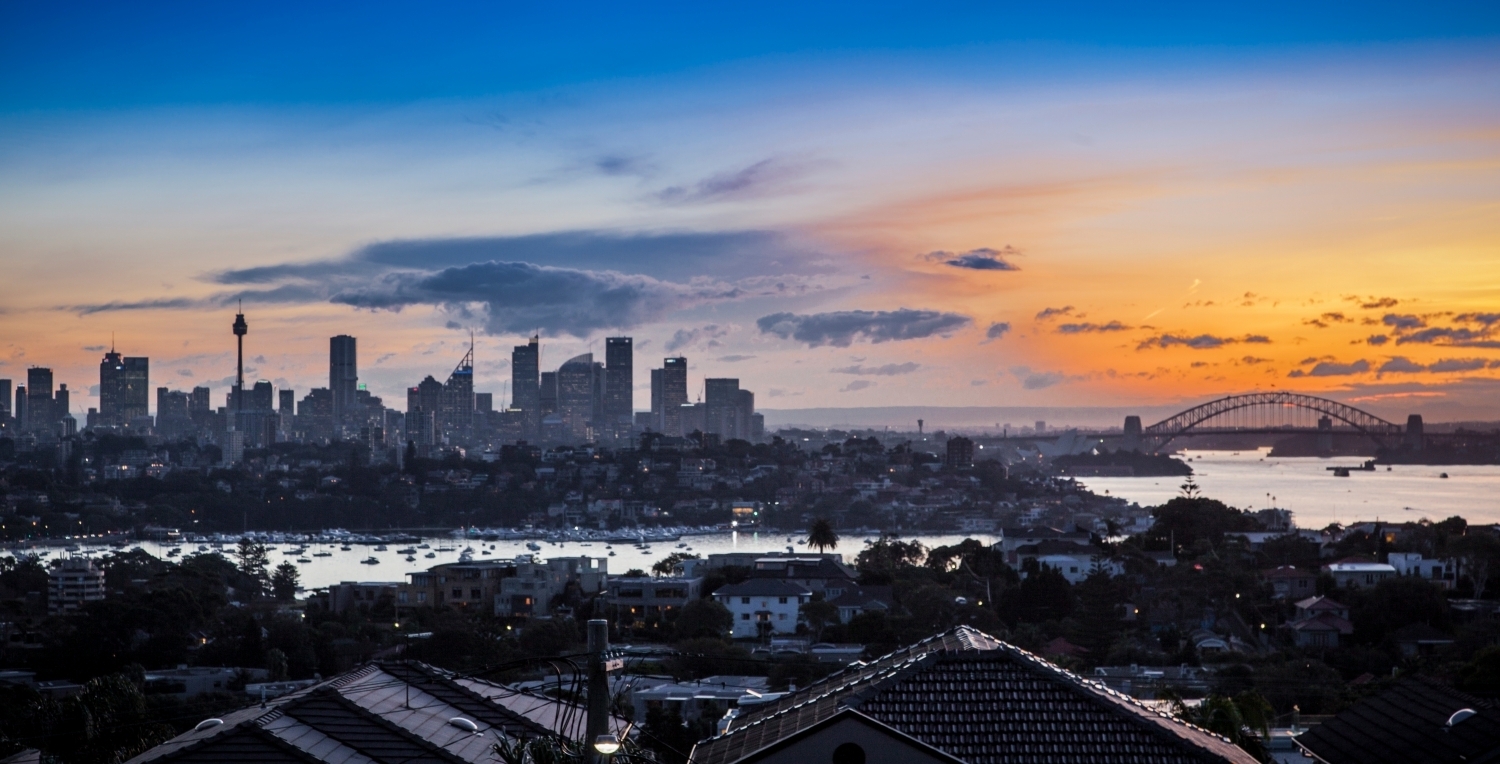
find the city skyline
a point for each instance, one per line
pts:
(957, 210)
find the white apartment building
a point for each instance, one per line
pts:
(763, 605)
(76, 581)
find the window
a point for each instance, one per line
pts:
(458, 594)
(781, 616)
(744, 616)
(744, 600)
(402, 597)
(474, 594)
(421, 596)
(782, 601)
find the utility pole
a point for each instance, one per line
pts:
(598, 709)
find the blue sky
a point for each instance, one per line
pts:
(109, 55)
(843, 205)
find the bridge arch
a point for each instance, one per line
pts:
(1353, 419)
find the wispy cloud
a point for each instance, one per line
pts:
(1037, 379)
(1200, 341)
(759, 179)
(1333, 369)
(857, 385)
(887, 370)
(1049, 313)
(1092, 328)
(982, 259)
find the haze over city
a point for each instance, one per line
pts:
(853, 209)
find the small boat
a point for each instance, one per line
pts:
(322, 554)
(424, 546)
(303, 560)
(486, 552)
(408, 550)
(533, 546)
(611, 553)
(345, 548)
(1443, 475)
(411, 558)
(430, 555)
(380, 548)
(369, 561)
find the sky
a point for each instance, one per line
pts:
(846, 205)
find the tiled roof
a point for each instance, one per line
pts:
(983, 701)
(385, 712)
(763, 587)
(1323, 622)
(1408, 724)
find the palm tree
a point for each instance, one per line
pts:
(821, 535)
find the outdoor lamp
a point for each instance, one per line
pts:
(607, 744)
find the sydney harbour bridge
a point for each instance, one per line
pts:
(1274, 413)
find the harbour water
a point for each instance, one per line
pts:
(1305, 485)
(340, 565)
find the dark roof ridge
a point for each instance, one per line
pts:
(248, 727)
(446, 680)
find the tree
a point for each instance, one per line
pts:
(664, 566)
(1245, 719)
(703, 618)
(284, 581)
(821, 535)
(253, 562)
(819, 614)
(1479, 554)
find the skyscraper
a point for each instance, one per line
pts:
(5, 406)
(39, 414)
(240, 330)
(525, 385)
(619, 382)
(673, 395)
(547, 394)
(457, 413)
(123, 386)
(343, 375)
(721, 398)
(19, 412)
(575, 394)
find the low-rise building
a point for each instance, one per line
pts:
(1320, 622)
(1012, 539)
(1289, 583)
(347, 595)
(73, 582)
(535, 584)
(1356, 573)
(1441, 572)
(762, 606)
(469, 586)
(643, 598)
(187, 682)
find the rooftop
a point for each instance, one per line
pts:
(1408, 723)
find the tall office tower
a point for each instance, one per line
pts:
(484, 402)
(123, 386)
(200, 400)
(60, 405)
(546, 397)
(674, 395)
(5, 392)
(744, 411)
(619, 382)
(261, 398)
(422, 405)
(343, 375)
(240, 330)
(654, 420)
(39, 413)
(575, 394)
(597, 420)
(525, 384)
(720, 400)
(287, 400)
(173, 417)
(456, 416)
(19, 412)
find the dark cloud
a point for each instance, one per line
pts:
(184, 372)
(1448, 365)
(982, 259)
(1402, 323)
(1201, 341)
(856, 385)
(1400, 365)
(621, 164)
(174, 303)
(1037, 380)
(1325, 320)
(1377, 339)
(1092, 328)
(685, 337)
(759, 179)
(1488, 319)
(888, 370)
(1251, 360)
(1333, 369)
(733, 358)
(842, 328)
(1442, 335)
(517, 298)
(1046, 313)
(1372, 303)
(996, 331)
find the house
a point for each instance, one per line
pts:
(1415, 720)
(381, 712)
(537, 583)
(959, 696)
(345, 595)
(1320, 622)
(852, 599)
(1012, 539)
(1289, 583)
(1441, 572)
(1419, 639)
(1353, 572)
(468, 586)
(763, 605)
(814, 572)
(642, 598)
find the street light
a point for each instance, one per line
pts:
(607, 744)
